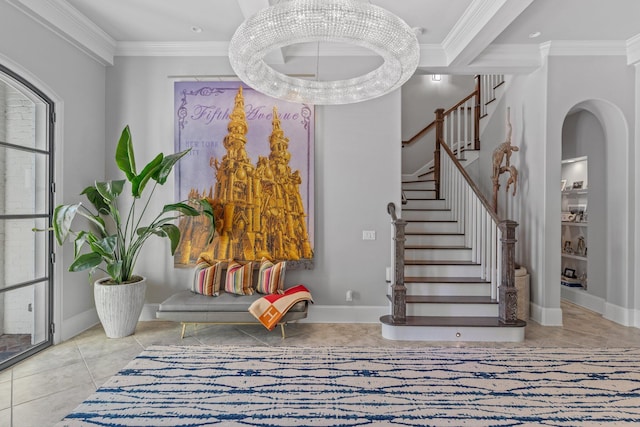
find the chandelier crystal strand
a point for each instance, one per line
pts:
(346, 21)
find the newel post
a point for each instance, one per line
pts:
(436, 155)
(477, 113)
(508, 293)
(398, 290)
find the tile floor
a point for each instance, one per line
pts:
(40, 391)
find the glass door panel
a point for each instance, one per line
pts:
(24, 321)
(24, 182)
(26, 177)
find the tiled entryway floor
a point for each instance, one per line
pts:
(40, 391)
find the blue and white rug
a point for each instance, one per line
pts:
(293, 386)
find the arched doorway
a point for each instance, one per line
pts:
(26, 203)
(598, 130)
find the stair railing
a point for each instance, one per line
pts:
(492, 241)
(462, 121)
(398, 289)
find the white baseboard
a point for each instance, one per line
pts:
(636, 318)
(546, 316)
(621, 315)
(78, 323)
(583, 299)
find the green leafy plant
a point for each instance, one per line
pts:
(112, 242)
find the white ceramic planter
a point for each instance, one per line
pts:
(119, 306)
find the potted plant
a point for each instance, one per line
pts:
(111, 241)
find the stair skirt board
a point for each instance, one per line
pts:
(453, 333)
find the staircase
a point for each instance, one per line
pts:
(449, 283)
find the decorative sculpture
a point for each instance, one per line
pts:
(503, 153)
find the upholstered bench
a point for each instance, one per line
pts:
(188, 307)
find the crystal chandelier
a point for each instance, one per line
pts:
(346, 21)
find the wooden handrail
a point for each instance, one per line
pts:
(455, 107)
(419, 134)
(433, 123)
(472, 184)
(391, 209)
(477, 114)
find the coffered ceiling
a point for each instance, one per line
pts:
(456, 36)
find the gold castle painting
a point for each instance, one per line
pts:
(258, 205)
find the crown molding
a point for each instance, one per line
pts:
(195, 48)
(474, 18)
(584, 48)
(67, 22)
(478, 26)
(633, 50)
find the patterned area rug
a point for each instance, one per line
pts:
(293, 386)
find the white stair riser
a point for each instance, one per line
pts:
(438, 254)
(422, 215)
(420, 194)
(449, 289)
(419, 185)
(432, 227)
(442, 271)
(461, 310)
(417, 204)
(435, 239)
(453, 333)
(435, 204)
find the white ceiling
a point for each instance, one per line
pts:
(460, 36)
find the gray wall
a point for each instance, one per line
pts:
(540, 102)
(76, 82)
(421, 96)
(577, 83)
(357, 172)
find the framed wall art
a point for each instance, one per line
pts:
(252, 155)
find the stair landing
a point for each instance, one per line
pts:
(449, 328)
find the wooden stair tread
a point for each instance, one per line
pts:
(419, 180)
(435, 247)
(431, 220)
(432, 233)
(438, 262)
(425, 209)
(461, 321)
(415, 279)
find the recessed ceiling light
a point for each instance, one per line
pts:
(535, 34)
(196, 29)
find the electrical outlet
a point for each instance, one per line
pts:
(368, 235)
